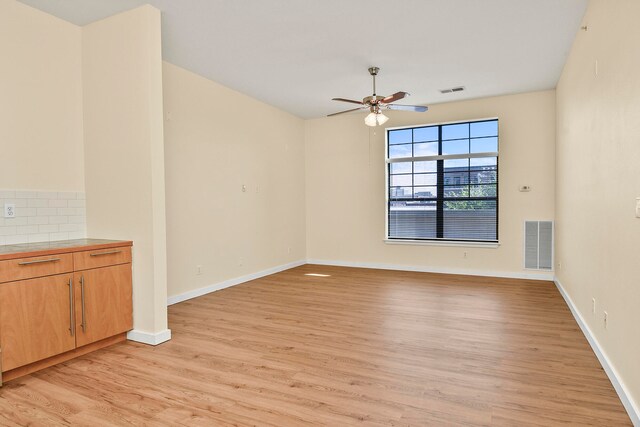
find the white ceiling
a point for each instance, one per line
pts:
(298, 54)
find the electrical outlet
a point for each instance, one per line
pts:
(9, 210)
(240, 262)
(593, 305)
(464, 254)
(605, 319)
(289, 250)
(198, 270)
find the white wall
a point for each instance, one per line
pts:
(40, 101)
(345, 173)
(216, 141)
(124, 150)
(598, 155)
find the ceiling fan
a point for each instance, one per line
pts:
(375, 103)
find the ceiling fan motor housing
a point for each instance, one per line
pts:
(372, 100)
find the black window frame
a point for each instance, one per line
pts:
(440, 198)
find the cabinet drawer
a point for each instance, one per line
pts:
(28, 268)
(101, 258)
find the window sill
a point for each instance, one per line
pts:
(490, 245)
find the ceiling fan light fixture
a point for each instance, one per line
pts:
(375, 119)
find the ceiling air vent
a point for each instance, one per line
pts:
(453, 89)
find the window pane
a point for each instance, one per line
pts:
(455, 164)
(412, 220)
(402, 167)
(456, 191)
(474, 220)
(484, 161)
(397, 151)
(456, 178)
(484, 145)
(488, 190)
(484, 128)
(425, 134)
(425, 179)
(455, 131)
(431, 166)
(400, 180)
(455, 147)
(487, 176)
(400, 192)
(400, 136)
(425, 192)
(426, 149)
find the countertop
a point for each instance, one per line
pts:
(25, 250)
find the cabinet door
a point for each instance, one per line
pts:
(103, 303)
(37, 319)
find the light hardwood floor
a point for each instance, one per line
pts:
(361, 347)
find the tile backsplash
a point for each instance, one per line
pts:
(42, 216)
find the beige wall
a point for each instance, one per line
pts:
(40, 101)
(124, 150)
(345, 173)
(598, 155)
(216, 141)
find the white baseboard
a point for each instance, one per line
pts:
(231, 282)
(422, 269)
(149, 337)
(618, 384)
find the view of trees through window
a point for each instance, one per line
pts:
(443, 182)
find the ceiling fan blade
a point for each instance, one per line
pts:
(347, 100)
(347, 111)
(393, 98)
(416, 108)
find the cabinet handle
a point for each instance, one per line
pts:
(72, 325)
(39, 261)
(84, 320)
(105, 253)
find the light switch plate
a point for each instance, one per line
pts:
(637, 207)
(9, 210)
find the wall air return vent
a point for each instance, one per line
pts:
(538, 245)
(453, 89)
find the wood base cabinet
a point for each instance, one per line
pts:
(36, 318)
(83, 299)
(103, 304)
